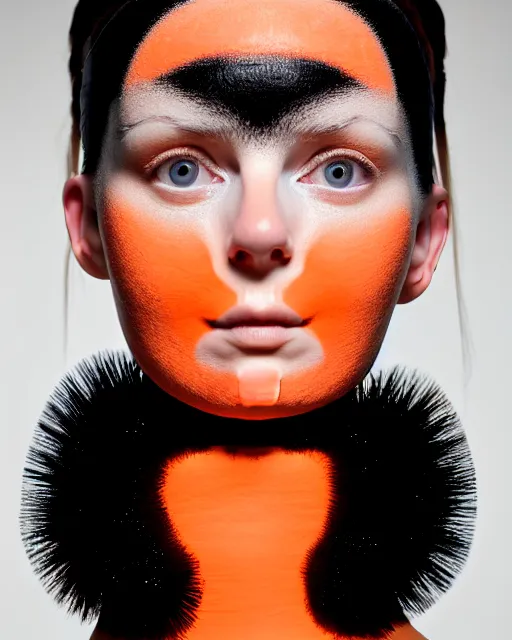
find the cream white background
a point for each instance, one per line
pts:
(34, 100)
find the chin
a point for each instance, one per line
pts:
(225, 402)
(256, 388)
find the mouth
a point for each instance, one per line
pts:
(259, 330)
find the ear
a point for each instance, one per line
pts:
(431, 235)
(82, 224)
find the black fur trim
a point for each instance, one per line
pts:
(91, 519)
(400, 525)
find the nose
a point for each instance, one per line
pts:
(260, 241)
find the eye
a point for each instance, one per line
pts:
(183, 173)
(339, 173)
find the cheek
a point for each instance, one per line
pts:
(164, 285)
(350, 283)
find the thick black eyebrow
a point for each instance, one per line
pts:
(259, 91)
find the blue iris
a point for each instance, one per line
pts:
(339, 174)
(184, 173)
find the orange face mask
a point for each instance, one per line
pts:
(165, 273)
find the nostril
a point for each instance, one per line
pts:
(279, 256)
(241, 257)
(258, 263)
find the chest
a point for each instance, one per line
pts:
(250, 521)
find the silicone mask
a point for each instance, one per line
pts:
(259, 241)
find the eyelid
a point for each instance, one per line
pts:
(322, 157)
(185, 153)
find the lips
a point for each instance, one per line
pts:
(264, 329)
(246, 316)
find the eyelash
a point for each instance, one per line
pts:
(338, 154)
(183, 153)
(186, 153)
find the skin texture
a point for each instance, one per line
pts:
(173, 255)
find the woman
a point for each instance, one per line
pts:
(258, 186)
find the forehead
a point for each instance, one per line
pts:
(322, 30)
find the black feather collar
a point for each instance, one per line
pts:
(95, 467)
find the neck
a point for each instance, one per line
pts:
(250, 521)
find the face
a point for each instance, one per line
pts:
(257, 204)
